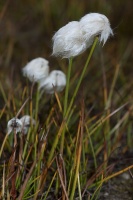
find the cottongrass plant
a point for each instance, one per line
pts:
(56, 155)
(73, 39)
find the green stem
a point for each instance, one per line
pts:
(79, 188)
(66, 103)
(50, 185)
(37, 103)
(67, 86)
(107, 107)
(92, 147)
(55, 143)
(81, 77)
(76, 171)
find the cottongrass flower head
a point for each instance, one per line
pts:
(75, 37)
(56, 81)
(27, 121)
(95, 24)
(14, 125)
(68, 41)
(36, 69)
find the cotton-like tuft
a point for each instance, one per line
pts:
(95, 24)
(27, 121)
(75, 37)
(36, 69)
(56, 81)
(68, 41)
(14, 125)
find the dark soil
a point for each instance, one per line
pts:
(119, 188)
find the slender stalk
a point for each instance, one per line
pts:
(3, 144)
(57, 185)
(108, 103)
(3, 183)
(78, 156)
(79, 188)
(50, 185)
(35, 173)
(96, 192)
(67, 86)
(92, 147)
(3, 94)
(31, 104)
(66, 103)
(112, 86)
(23, 187)
(78, 152)
(13, 191)
(26, 145)
(37, 102)
(70, 180)
(66, 113)
(81, 77)
(51, 153)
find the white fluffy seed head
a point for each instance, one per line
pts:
(56, 81)
(14, 125)
(95, 24)
(36, 69)
(26, 123)
(68, 41)
(75, 37)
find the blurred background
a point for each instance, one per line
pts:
(27, 26)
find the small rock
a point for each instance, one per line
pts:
(106, 194)
(126, 176)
